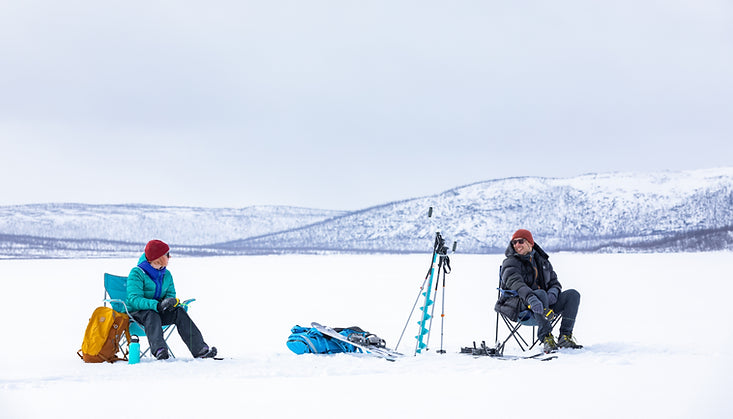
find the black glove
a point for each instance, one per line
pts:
(535, 304)
(167, 304)
(552, 296)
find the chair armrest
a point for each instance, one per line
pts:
(115, 300)
(185, 303)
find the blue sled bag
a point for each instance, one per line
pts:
(308, 340)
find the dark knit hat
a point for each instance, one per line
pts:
(523, 234)
(155, 249)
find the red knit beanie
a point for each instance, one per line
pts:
(523, 234)
(155, 249)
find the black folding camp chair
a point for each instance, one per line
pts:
(525, 318)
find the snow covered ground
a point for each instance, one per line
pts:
(654, 325)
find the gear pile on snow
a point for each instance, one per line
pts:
(320, 339)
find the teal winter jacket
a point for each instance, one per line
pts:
(141, 289)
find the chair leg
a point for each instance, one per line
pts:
(513, 334)
(496, 329)
(518, 337)
(165, 338)
(166, 335)
(535, 340)
(145, 352)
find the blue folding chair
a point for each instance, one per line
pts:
(525, 318)
(115, 293)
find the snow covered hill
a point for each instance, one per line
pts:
(183, 225)
(690, 210)
(79, 230)
(666, 211)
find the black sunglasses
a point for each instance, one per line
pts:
(518, 241)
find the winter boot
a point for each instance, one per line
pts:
(567, 341)
(162, 353)
(207, 353)
(549, 344)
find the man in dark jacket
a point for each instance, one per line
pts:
(527, 270)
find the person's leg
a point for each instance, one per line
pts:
(567, 305)
(151, 322)
(544, 327)
(187, 330)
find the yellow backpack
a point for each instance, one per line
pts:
(102, 336)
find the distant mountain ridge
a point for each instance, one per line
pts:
(667, 211)
(612, 212)
(131, 222)
(70, 230)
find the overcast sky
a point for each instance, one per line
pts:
(347, 104)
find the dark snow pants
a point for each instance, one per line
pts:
(153, 322)
(567, 305)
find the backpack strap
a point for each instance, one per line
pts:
(124, 324)
(126, 329)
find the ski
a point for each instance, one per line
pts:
(374, 350)
(492, 352)
(537, 357)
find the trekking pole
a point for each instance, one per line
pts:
(423, 329)
(420, 292)
(411, 312)
(439, 250)
(442, 310)
(432, 309)
(420, 345)
(446, 270)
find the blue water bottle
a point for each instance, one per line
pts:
(134, 349)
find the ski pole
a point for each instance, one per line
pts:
(432, 310)
(411, 312)
(442, 251)
(423, 330)
(419, 345)
(442, 316)
(422, 287)
(446, 270)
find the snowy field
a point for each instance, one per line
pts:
(654, 325)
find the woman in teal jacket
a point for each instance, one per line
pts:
(152, 302)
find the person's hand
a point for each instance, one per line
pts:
(168, 304)
(552, 296)
(549, 314)
(535, 304)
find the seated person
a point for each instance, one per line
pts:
(152, 302)
(528, 271)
